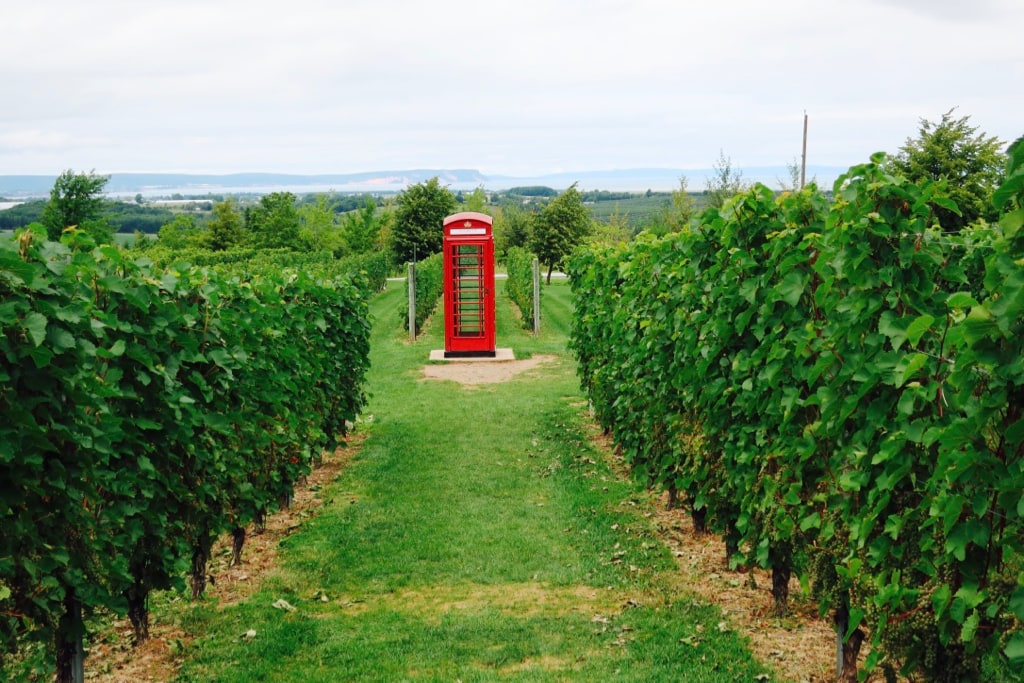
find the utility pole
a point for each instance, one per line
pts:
(803, 158)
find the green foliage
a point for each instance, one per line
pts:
(429, 288)
(979, 490)
(361, 228)
(273, 223)
(605, 196)
(969, 162)
(370, 270)
(419, 220)
(615, 230)
(225, 229)
(19, 216)
(151, 409)
(180, 233)
(886, 277)
(122, 216)
(532, 191)
(519, 286)
(559, 228)
(76, 200)
(129, 218)
(794, 181)
(837, 395)
(676, 215)
(476, 201)
(1007, 196)
(319, 227)
(724, 183)
(512, 228)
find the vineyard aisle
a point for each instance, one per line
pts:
(476, 536)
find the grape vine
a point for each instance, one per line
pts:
(149, 409)
(835, 387)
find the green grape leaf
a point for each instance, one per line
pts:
(970, 627)
(792, 287)
(918, 327)
(893, 328)
(1014, 650)
(1017, 602)
(35, 325)
(948, 204)
(1012, 222)
(914, 363)
(1015, 432)
(961, 300)
(941, 599)
(1013, 186)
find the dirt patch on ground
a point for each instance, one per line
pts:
(800, 647)
(483, 372)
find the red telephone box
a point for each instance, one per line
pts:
(468, 286)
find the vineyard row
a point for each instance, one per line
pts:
(149, 409)
(836, 387)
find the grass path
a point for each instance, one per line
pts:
(476, 536)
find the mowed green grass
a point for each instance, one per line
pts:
(476, 536)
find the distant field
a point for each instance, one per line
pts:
(635, 210)
(638, 209)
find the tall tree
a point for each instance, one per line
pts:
(361, 228)
(180, 233)
(419, 219)
(225, 229)
(319, 229)
(274, 222)
(681, 208)
(675, 214)
(477, 201)
(76, 200)
(512, 228)
(724, 183)
(970, 162)
(559, 228)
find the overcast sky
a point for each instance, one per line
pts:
(519, 87)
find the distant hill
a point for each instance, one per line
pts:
(634, 180)
(195, 183)
(126, 182)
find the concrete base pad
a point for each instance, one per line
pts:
(499, 355)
